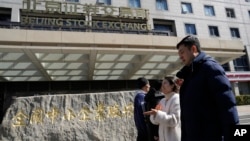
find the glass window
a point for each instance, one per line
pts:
(161, 5)
(213, 30)
(72, 0)
(244, 87)
(209, 10)
(235, 32)
(5, 14)
(186, 8)
(226, 67)
(163, 27)
(241, 64)
(107, 2)
(135, 3)
(230, 13)
(190, 29)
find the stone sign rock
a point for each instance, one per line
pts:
(71, 117)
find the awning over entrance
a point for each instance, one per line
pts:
(35, 55)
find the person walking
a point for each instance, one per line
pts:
(167, 113)
(152, 99)
(139, 107)
(208, 105)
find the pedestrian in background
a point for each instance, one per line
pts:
(139, 107)
(167, 113)
(208, 105)
(153, 98)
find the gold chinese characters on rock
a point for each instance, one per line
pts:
(100, 113)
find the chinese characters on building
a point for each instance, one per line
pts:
(85, 13)
(51, 6)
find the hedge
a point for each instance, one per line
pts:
(243, 99)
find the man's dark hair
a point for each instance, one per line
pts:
(189, 41)
(141, 82)
(157, 84)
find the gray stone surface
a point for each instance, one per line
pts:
(72, 117)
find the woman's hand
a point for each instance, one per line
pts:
(153, 111)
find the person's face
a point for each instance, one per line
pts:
(179, 81)
(146, 88)
(186, 55)
(166, 87)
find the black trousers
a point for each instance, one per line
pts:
(142, 137)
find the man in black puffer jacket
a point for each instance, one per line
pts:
(208, 105)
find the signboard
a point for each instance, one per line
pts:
(125, 18)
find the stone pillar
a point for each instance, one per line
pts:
(235, 86)
(247, 49)
(15, 14)
(150, 21)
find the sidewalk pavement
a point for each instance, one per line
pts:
(243, 110)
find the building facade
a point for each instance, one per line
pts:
(90, 40)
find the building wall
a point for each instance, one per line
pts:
(15, 5)
(201, 21)
(241, 8)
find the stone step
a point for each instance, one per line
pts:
(245, 116)
(244, 119)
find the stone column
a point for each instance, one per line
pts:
(247, 49)
(15, 14)
(234, 84)
(236, 88)
(150, 22)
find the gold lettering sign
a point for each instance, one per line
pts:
(53, 114)
(69, 115)
(85, 114)
(114, 111)
(128, 110)
(37, 116)
(20, 119)
(100, 112)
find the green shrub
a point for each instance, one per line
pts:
(243, 99)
